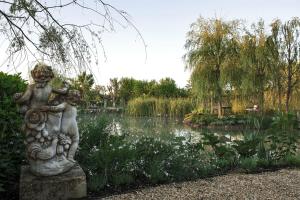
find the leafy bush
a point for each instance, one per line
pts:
(206, 119)
(283, 136)
(248, 164)
(112, 161)
(199, 118)
(118, 161)
(248, 146)
(11, 141)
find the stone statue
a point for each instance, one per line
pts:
(51, 129)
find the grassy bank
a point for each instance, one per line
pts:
(251, 120)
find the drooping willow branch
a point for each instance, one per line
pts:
(61, 42)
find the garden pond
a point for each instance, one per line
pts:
(162, 128)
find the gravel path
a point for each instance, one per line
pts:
(283, 184)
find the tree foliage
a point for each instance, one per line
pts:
(11, 140)
(165, 88)
(288, 49)
(84, 83)
(212, 46)
(254, 63)
(250, 63)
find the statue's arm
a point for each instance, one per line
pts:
(62, 91)
(25, 96)
(59, 108)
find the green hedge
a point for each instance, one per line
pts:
(11, 140)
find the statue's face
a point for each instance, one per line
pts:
(42, 73)
(74, 97)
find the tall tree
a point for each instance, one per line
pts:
(166, 88)
(254, 61)
(114, 88)
(212, 46)
(289, 47)
(84, 83)
(126, 89)
(276, 64)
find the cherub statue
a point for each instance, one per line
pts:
(68, 120)
(38, 93)
(43, 128)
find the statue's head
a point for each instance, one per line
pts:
(73, 97)
(42, 73)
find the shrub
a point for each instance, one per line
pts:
(118, 161)
(293, 161)
(248, 146)
(249, 164)
(11, 140)
(283, 137)
(113, 162)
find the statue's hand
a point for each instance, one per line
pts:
(17, 96)
(43, 108)
(66, 84)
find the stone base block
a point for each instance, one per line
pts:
(70, 185)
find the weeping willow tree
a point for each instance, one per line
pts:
(288, 48)
(276, 65)
(212, 50)
(254, 62)
(65, 33)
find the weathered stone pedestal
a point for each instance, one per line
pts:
(70, 185)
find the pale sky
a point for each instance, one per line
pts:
(163, 25)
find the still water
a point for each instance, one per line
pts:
(162, 128)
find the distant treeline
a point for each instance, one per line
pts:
(119, 91)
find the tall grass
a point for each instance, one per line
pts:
(151, 106)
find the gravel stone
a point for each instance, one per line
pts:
(283, 184)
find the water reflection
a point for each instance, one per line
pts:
(162, 128)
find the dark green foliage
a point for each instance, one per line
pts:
(250, 121)
(117, 161)
(292, 161)
(11, 140)
(166, 88)
(223, 151)
(248, 146)
(84, 83)
(283, 136)
(9, 85)
(112, 161)
(205, 119)
(258, 121)
(248, 164)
